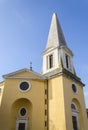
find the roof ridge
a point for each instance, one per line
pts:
(21, 70)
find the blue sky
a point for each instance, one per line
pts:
(24, 27)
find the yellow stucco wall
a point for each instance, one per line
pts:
(1, 91)
(61, 96)
(56, 104)
(78, 99)
(13, 99)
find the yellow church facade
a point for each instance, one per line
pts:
(53, 100)
(23, 101)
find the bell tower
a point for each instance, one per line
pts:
(66, 105)
(56, 50)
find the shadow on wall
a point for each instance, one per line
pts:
(21, 110)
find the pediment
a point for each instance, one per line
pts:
(24, 73)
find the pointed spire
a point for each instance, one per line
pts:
(55, 37)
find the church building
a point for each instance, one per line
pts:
(52, 100)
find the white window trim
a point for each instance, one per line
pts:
(75, 113)
(21, 121)
(22, 82)
(69, 62)
(48, 63)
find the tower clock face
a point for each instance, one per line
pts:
(24, 86)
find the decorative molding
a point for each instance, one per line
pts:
(25, 121)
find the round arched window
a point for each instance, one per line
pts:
(24, 86)
(74, 88)
(22, 111)
(75, 120)
(73, 106)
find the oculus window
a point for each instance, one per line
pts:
(22, 111)
(74, 88)
(24, 86)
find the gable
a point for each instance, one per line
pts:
(24, 73)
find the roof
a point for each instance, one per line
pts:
(56, 36)
(29, 74)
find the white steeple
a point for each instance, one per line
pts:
(56, 50)
(55, 37)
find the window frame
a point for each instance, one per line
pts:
(20, 112)
(18, 121)
(50, 61)
(75, 114)
(68, 62)
(26, 89)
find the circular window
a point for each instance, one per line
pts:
(23, 112)
(74, 88)
(24, 86)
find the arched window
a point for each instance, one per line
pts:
(73, 107)
(22, 121)
(75, 121)
(50, 61)
(67, 61)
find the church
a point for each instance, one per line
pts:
(52, 100)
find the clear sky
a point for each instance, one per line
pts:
(24, 27)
